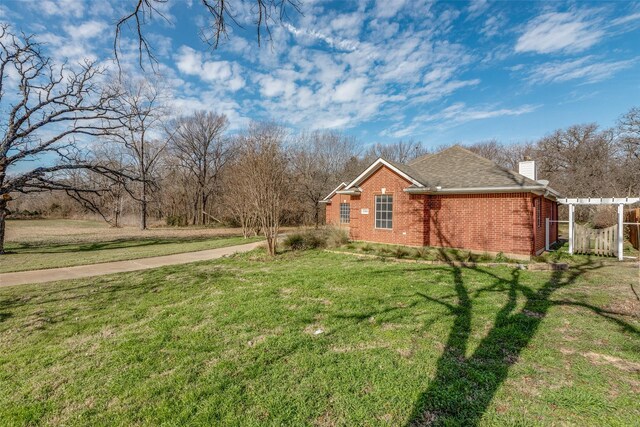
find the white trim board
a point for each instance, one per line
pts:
(600, 201)
(328, 198)
(375, 166)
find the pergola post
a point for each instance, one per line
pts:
(571, 207)
(620, 232)
(620, 201)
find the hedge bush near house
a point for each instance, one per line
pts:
(422, 253)
(316, 239)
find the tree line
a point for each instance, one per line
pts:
(77, 140)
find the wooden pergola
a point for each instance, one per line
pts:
(620, 202)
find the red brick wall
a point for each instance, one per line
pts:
(332, 210)
(480, 222)
(408, 211)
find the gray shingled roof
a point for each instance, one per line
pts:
(412, 172)
(457, 167)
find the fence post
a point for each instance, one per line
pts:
(571, 229)
(546, 234)
(620, 232)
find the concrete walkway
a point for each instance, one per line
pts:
(80, 271)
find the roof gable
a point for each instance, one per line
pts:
(330, 195)
(403, 170)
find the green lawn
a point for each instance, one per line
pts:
(33, 257)
(315, 338)
(36, 244)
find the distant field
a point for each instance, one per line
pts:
(79, 231)
(38, 244)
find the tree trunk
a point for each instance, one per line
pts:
(204, 204)
(4, 212)
(143, 206)
(271, 234)
(116, 213)
(143, 174)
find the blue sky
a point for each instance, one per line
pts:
(439, 72)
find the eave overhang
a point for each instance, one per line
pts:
(355, 191)
(540, 190)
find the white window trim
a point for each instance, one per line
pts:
(349, 205)
(375, 212)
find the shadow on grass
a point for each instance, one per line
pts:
(463, 386)
(60, 248)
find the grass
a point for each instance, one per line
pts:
(421, 253)
(315, 338)
(41, 244)
(558, 254)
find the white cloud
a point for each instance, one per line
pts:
(586, 69)
(86, 30)
(347, 45)
(273, 87)
(560, 32)
(191, 62)
(388, 8)
(477, 7)
(459, 113)
(73, 8)
(493, 25)
(351, 90)
(626, 19)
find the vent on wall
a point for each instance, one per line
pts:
(528, 169)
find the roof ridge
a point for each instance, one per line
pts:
(420, 158)
(463, 148)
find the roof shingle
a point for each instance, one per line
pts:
(457, 167)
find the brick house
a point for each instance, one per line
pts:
(453, 199)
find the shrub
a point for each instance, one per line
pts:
(385, 251)
(367, 248)
(176, 220)
(295, 242)
(402, 252)
(314, 240)
(336, 237)
(501, 258)
(421, 253)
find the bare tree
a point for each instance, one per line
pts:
(263, 177)
(199, 143)
(628, 139)
(263, 13)
(319, 160)
(103, 195)
(236, 199)
(45, 108)
(401, 151)
(629, 131)
(141, 113)
(507, 156)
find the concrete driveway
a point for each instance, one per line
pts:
(80, 271)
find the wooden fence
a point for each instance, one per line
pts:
(634, 230)
(595, 241)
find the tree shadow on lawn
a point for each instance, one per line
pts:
(69, 247)
(463, 387)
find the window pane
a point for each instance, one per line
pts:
(384, 211)
(345, 213)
